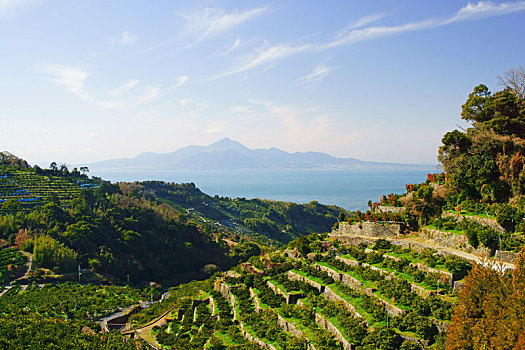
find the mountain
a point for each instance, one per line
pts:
(227, 154)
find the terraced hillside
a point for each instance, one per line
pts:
(32, 190)
(347, 297)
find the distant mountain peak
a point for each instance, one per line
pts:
(227, 144)
(230, 154)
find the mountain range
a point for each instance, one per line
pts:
(227, 154)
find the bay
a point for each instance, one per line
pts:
(349, 189)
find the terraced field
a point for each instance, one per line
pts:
(336, 301)
(33, 190)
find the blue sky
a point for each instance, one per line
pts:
(83, 81)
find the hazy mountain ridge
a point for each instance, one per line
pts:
(227, 154)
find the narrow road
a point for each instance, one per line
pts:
(29, 265)
(145, 331)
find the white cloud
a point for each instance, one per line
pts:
(265, 55)
(210, 21)
(361, 22)
(126, 38)
(11, 5)
(73, 79)
(233, 47)
(484, 9)
(151, 93)
(130, 84)
(320, 72)
(183, 79)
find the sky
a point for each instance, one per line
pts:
(83, 81)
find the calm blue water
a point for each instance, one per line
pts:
(350, 189)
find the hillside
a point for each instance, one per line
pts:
(138, 232)
(441, 266)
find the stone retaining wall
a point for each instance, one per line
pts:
(255, 340)
(292, 276)
(257, 305)
(344, 278)
(492, 223)
(290, 298)
(505, 256)
(293, 330)
(212, 306)
(387, 209)
(327, 325)
(372, 229)
(447, 239)
(442, 326)
(333, 297)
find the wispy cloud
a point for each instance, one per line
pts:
(208, 22)
(482, 9)
(264, 56)
(150, 93)
(233, 47)
(130, 84)
(10, 5)
(183, 79)
(73, 80)
(363, 21)
(320, 72)
(126, 38)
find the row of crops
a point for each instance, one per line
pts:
(352, 298)
(33, 190)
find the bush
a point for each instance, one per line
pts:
(382, 244)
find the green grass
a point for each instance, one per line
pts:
(455, 232)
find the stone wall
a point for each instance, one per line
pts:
(505, 256)
(387, 209)
(290, 298)
(292, 276)
(493, 223)
(293, 330)
(343, 277)
(325, 324)
(442, 326)
(351, 240)
(371, 229)
(257, 305)
(422, 292)
(212, 306)
(333, 297)
(447, 239)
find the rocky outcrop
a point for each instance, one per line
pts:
(371, 229)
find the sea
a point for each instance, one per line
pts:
(349, 189)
